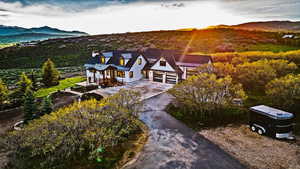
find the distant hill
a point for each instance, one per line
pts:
(76, 51)
(274, 26)
(14, 34)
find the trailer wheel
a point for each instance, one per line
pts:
(260, 132)
(253, 128)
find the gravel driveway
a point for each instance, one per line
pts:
(172, 145)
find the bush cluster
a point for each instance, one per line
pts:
(80, 134)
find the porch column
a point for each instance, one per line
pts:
(94, 73)
(87, 76)
(151, 75)
(103, 74)
(164, 77)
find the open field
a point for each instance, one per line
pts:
(257, 152)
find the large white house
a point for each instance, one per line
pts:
(165, 66)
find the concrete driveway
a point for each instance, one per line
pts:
(172, 145)
(145, 87)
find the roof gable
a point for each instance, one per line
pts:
(171, 64)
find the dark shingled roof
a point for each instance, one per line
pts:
(171, 60)
(178, 56)
(115, 59)
(94, 60)
(197, 59)
(118, 54)
(152, 53)
(172, 56)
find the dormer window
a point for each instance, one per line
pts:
(122, 61)
(162, 63)
(102, 60)
(139, 61)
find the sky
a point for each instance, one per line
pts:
(118, 16)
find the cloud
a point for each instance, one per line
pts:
(129, 16)
(38, 9)
(266, 9)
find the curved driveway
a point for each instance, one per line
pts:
(172, 145)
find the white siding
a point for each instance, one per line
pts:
(126, 61)
(137, 70)
(106, 60)
(184, 69)
(157, 66)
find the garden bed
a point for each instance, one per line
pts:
(84, 89)
(62, 99)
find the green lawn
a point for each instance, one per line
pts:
(63, 84)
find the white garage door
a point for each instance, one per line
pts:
(157, 77)
(171, 78)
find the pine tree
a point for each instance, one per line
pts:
(29, 106)
(3, 93)
(50, 74)
(24, 84)
(33, 80)
(46, 106)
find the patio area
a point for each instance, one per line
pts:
(147, 88)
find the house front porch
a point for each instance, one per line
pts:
(104, 76)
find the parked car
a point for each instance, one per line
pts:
(276, 123)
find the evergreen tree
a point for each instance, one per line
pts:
(29, 106)
(46, 106)
(24, 84)
(3, 93)
(50, 74)
(33, 80)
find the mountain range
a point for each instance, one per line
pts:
(273, 26)
(14, 34)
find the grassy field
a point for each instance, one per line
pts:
(63, 84)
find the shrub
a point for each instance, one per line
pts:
(80, 134)
(3, 93)
(89, 96)
(282, 67)
(284, 91)
(204, 94)
(224, 69)
(255, 75)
